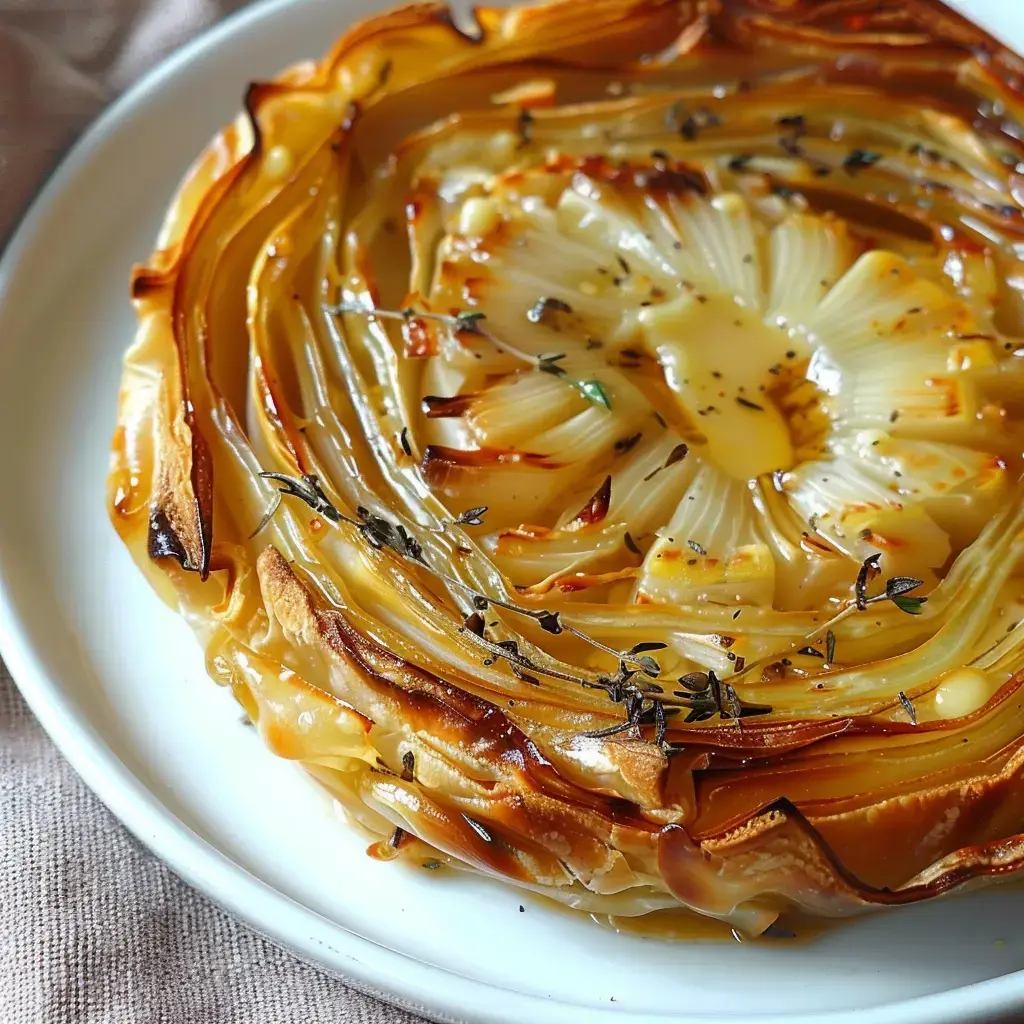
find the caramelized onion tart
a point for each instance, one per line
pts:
(589, 443)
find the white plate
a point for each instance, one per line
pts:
(119, 683)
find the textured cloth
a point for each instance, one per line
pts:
(92, 927)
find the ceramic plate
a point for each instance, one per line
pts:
(119, 683)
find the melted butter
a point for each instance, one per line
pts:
(718, 358)
(278, 163)
(961, 693)
(478, 216)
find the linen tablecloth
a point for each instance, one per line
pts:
(92, 927)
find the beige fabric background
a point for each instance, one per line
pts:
(92, 927)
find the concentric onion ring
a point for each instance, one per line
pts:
(644, 383)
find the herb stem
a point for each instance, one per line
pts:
(469, 322)
(552, 618)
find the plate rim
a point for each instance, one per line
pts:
(401, 980)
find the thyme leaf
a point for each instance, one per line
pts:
(469, 320)
(549, 364)
(859, 158)
(594, 391)
(676, 455)
(648, 666)
(647, 646)
(540, 312)
(706, 696)
(910, 605)
(308, 489)
(901, 585)
(908, 706)
(471, 517)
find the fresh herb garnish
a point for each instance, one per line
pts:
(693, 123)
(747, 404)
(676, 455)
(524, 126)
(901, 585)
(471, 517)
(478, 828)
(910, 605)
(895, 588)
(622, 687)
(549, 364)
(859, 158)
(469, 321)
(594, 391)
(706, 696)
(307, 488)
(908, 707)
(541, 310)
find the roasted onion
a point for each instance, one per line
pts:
(590, 444)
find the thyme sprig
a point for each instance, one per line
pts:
(469, 321)
(908, 706)
(896, 590)
(551, 622)
(471, 517)
(643, 701)
(592, 390)
(307, 488)
(706, 696)
(381, 533)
